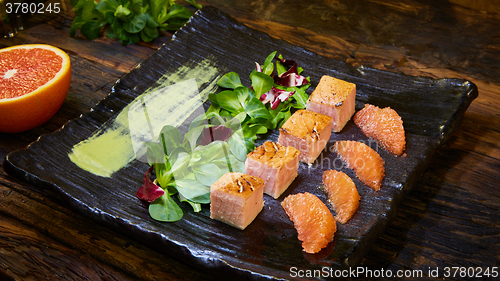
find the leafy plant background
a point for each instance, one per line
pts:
(129, 21)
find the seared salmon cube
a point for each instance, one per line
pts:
(276, 164)
(308, 131)
(335, 98)
(236, 199)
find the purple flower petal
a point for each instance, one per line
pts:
(211, 134)
(284, 95)
(287, 62)
(258, 67)
(267, 97)
(275, 96)
(291, 77)
(275, 104)
(290, 80)
(149, 191)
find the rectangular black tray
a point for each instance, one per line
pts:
(430, 108)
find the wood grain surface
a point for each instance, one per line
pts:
(451, 218)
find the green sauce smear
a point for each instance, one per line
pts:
(173, 98)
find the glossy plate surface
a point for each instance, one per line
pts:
(431, 110)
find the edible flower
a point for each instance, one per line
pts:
(149, 191)
(258, 67)
(291, 77)
(275, 96)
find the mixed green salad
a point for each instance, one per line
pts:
(218, 141)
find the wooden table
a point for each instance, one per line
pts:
(451, 218)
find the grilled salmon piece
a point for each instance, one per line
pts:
(312, 219)
(384, 125)
(342, 194)
(366, 162)
(236, 199)
(277, 165)
(307, 131)
(335, 98)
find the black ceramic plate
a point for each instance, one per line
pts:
(431, 110)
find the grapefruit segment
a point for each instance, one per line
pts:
(342, 194)
(34, 82)
(384, 125)
(312, 219)
(366, 162)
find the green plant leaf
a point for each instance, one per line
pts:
(237, 145)
(170, 138)
(229, 101)
(136, 24)
(151, 22)
(172, 157)
(165, 209)
(193, 190)
(91, 29)
(207, 174)
(280, 68)
(180, 165)
(214, 108)
(257, 110)
(77, 24)
(89, 12)
(235, 122)
(177, 11)
(301, 97)
(230, 164)
(122, 12)
(230, 80)
(196, 206)
(164, 176)
(193, 2)
(191, 138)
(154, 153)
(201, 120)
(109, 17)
(268, 70)
(105, 6)
(243, 94)
(253, 129)
(206, 154)
(149, 34)
(270, 58)
(268, 66)
(261, 82)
